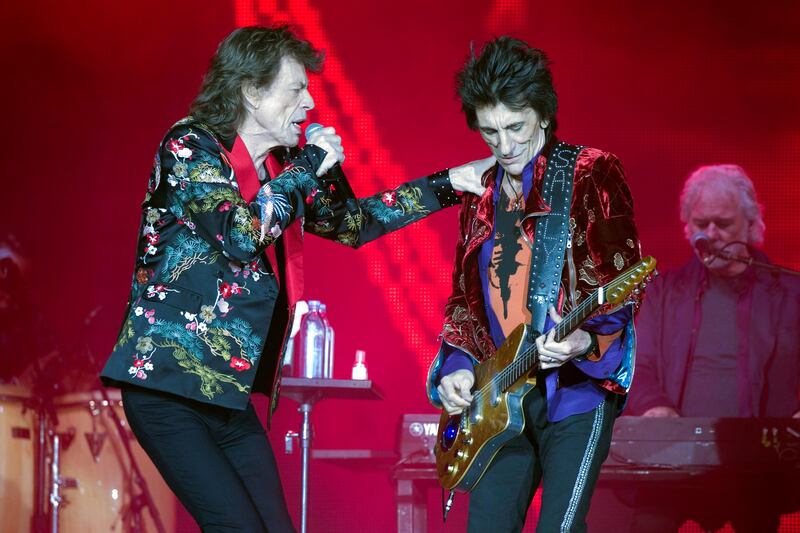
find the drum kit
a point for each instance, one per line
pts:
(70, 463)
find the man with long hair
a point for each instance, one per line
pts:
(218, 272)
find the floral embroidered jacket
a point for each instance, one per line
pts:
(604, 241)
(205, 307)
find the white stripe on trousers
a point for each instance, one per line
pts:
(583, 472)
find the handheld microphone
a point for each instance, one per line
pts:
(702, 244)
(335, 180)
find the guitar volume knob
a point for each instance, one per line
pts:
(460, 454)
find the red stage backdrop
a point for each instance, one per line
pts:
(90, 88)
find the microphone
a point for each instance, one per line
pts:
(335, 179)
(702, 244)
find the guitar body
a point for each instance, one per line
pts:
(468, 442)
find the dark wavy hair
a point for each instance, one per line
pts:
(510, 72)
(252, 54)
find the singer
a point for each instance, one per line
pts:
(718, 338)
(218, 271)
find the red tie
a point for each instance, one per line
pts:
(292, 237)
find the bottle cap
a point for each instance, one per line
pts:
(361, 357)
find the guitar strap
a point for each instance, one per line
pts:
(552, 234)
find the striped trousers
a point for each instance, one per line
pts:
(563, 457)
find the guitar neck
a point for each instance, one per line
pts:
(528, 360)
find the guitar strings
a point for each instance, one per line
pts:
(584, 309)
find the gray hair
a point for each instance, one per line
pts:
(724, 179)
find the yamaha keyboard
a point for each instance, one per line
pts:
(741, 443)
(666, 445)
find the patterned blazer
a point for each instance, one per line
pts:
(205, 308)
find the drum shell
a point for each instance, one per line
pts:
(17, 459)
(103, 484)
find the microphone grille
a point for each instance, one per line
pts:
(311, 128)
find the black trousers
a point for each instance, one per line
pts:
(217, 461)
(565, 457)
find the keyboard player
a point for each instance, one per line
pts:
(719, 337)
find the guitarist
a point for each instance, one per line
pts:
(507, 95)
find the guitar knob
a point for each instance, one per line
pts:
(451, 469)
(468, 441)
(460, 454)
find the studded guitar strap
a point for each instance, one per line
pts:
(552, 234)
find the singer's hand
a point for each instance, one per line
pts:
(327, 139)
(467, 177)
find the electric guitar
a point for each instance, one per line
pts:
(466, 443)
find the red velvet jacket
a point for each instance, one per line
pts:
(604, 242)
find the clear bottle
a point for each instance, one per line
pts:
(312, 347)
(327, 365)
(360, 365)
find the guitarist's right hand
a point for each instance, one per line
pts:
(454, 390)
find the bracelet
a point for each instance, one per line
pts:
(443, 189)
(592, 349)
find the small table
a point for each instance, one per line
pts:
(308, 391)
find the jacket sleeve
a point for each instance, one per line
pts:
(648, 391)
(201, 193)
(609, 245)
(380, 213)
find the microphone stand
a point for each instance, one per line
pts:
(749, 261)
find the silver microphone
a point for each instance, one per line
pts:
(702, 244)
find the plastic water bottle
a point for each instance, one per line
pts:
(360, 365)
(312, 349)
(327, 365)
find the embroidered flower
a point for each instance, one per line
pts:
(181, 169)
(143, 275)
(151, 216)
(207, 313)
(275, 231)
(223, 305)
(150, 315)
(202, 327)
(312, 194)
(220, 238)
(152, 237)
(138, 363)
(141, 374)
(144, 344)
(138, 311)
(132, 370)
(389, 198)
(189, 316)
(224, 206)
(177, 147)
(174, 145)
(191, 326)
(239, 364)
(148, 366)
(225, 290)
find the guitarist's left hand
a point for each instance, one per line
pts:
(553, 354)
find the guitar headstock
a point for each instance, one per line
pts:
(630, 282)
